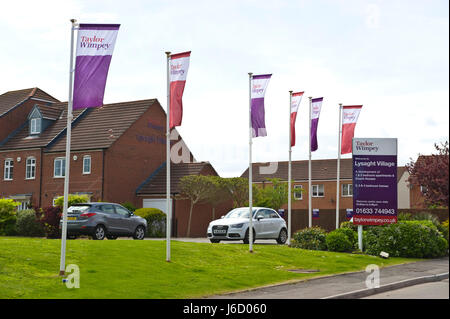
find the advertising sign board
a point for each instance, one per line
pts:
(374, 181)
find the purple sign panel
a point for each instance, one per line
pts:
(315, 213)
(374, 181)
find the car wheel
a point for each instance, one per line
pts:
(247, 239)
(215, 241)
(99, 233)
(282, 237)
(139, 233)
(111, 237)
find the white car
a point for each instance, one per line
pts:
(267, 224)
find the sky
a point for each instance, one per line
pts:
(390, 56)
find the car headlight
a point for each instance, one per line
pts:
(237, 225)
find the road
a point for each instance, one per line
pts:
(432, 290)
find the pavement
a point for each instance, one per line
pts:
(432, 290)
(352, 285)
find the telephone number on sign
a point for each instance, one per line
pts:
(381, 211)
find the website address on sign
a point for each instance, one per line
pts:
(373, 220)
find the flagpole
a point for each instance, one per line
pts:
(309, 170)
(250, 190)
(289, 171)
(62, 265)
(338, 173)
(168, 161)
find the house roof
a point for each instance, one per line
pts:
(12, 99)
(155, 184)
(400, 171)
(102, 126)
(91, 128)
(23, 140)
(320, 170)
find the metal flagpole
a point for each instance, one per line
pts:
(338, 173)
(289, 171)
(62, 265)
(250, 190)
(168, 161)
(309, 169)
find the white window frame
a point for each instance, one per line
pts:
(349, 189)
(8, 168)
(32, 167)
(85, 157)
(316, 189)
(23, 205)
(296, 196)
(63, 171)
(34, 127)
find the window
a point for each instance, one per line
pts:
(109, 209)
(298, 195)
(30, 168)
(59, 167)
(9, 167)
(347, 190)
(317, 190)
(122, 211)
(87, 164)
(35, 126)
(23, 205)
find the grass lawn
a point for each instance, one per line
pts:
(137, 269)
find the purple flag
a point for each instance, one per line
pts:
(316, 106)
(258, 89)
(95, 46)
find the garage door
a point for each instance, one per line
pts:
(159, 203)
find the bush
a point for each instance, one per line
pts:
(27, 224)
(310, 238)
(49, 219)
(73, 199)
(338, 241)
(444, 229)
(129, 206)
(156, 221)
(351, 235)
(8, 217)
(349, 225)
(419, 216)
(414, 239)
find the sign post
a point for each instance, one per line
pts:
(374, 182)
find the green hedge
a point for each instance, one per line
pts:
(156, 221)
(339, 241)
(414, 239)
(8, 217)
(313, 238)
(27, 224)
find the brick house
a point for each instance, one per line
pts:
(114, 149)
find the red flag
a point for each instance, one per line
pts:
(179, 65)
(295, 102)
(349, 117)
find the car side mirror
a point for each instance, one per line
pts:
(222, 217)
(259, 218)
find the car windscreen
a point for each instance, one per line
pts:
(77, 209)
(239, 213)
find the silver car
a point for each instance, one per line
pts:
(267, 224)
(100, 220)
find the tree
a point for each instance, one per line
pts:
(196, 188)
(273, 196)
(237, 190)
(431, 172)
(218, 193)
(73, 199)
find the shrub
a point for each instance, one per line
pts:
(444, 229)
(49, 219)
(27, 224)
(129, 206)
(73, 199)
(156, 221)
(419, 216)
(8, 216)
(349, 225)
(338, 241)
(310, 238)
(414, 239)
(351, 235)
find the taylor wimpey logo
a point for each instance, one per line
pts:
(257, 88)
(176, 69)
(349, 117)
(366, 146)
(94, 42)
